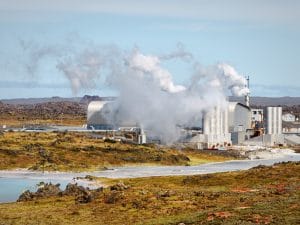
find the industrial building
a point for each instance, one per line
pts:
(257, 115)
(288, 117)
(99, 117)
(239, 122)
(96, 116)
(238, 117)
(235, 124)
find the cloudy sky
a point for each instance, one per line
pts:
(260, 38)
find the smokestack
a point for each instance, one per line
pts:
(247, 96)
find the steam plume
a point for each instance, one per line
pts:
(149, 66)
(148, 95)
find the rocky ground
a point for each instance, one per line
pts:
(42, 113)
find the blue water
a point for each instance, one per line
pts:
(13, 183)
(11, 188)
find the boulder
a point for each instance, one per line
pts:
(113, 197)
(44, 190)
(119, 187)
(48, 190)
(81, 194)
(26, 196)
(74, 189)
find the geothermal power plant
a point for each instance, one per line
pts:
(233, 123)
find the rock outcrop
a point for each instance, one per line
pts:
(81, 194)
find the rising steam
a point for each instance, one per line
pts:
(148, 67)
(148, 96)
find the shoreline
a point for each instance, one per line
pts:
(25, 179)
(149, 170)
(247, 152)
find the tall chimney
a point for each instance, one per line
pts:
(247, 96)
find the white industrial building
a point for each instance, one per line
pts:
(96, 116)
(221, 127)
(239, 118)
(99, 117)
(257, 115)
(288, 117)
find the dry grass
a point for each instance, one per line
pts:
(65, 120)
(267, 195)
(83, 151)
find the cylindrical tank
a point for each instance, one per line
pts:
(216, 121)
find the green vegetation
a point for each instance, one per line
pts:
(70, 151)
(262, 195)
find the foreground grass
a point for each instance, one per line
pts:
(263, 195)
(86, 151)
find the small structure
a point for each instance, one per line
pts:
(257, 115)
(290, 127)
(142, 139)
(288, 117)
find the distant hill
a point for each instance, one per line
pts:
(269, 101)
(31, 101)
(254, 101)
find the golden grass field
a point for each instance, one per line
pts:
(70, 151)
(66, 120)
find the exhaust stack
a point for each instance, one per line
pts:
(247, 96)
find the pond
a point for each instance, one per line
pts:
(13, 183)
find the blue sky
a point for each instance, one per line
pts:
(260, 38)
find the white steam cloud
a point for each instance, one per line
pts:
(235, 82)
(148, 67)
(147, 93)
(82, 71)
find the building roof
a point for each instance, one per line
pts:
(232, 106)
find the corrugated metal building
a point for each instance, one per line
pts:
(239, 117)
(239, 121)
(97, 116)
(104, 115)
